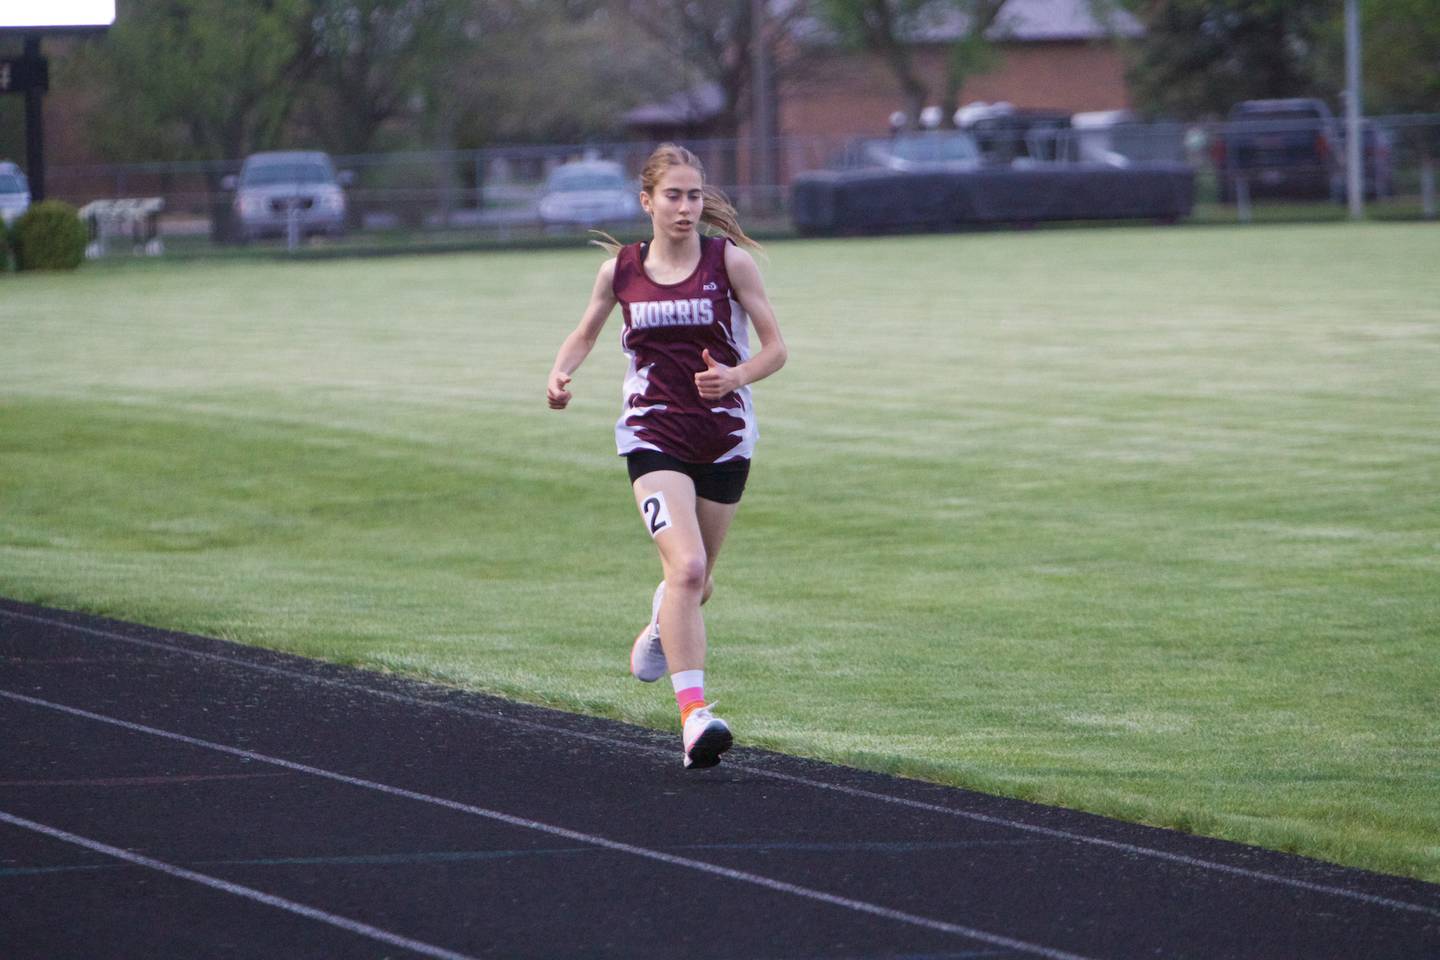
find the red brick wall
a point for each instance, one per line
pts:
(853, 94)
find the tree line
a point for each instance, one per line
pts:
(1199, 56)
(217, 79)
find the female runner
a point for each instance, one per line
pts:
(688, 427)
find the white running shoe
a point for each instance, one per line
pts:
(706, 737)
(647, 657)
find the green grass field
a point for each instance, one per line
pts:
(1139, 521)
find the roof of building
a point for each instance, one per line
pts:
(1038, 20)
(1019, 21)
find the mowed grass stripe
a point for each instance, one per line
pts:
(1138, 521)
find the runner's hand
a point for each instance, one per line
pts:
(716, 381)
(556, 393)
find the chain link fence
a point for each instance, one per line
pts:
(1274, 169)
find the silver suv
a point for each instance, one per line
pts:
(14, 193)
(273, 187)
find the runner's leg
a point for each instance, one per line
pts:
(668, 506)
(714, 521)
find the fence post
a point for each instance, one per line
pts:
(292, 224)
(1242, 199)
(1427, 188)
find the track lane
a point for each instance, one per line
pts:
(1042, 887)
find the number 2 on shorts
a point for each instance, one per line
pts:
(656, 513)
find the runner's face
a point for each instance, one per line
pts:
(676, 204)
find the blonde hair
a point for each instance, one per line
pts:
(717, 210)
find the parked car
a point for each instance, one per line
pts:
(271, 185)
(922, 150)
(1296, 148)
(1281, 148)
(588, 193)
(14, 192)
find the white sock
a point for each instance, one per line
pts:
(686, 679)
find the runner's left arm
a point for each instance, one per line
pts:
(718, 380)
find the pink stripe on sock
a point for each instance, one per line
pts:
(689, 695)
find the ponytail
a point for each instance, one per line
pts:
(606, 242)
(720, 213)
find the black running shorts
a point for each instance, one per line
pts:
(720, 482)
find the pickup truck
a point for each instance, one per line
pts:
(1281, 148)
(1296, 149)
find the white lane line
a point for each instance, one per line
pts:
(249, 893)
(859, 906)
(1180, 858)
(1051, 832)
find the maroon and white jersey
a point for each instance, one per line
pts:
(667, 325)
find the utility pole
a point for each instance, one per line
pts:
(1354, 148)
(762, 121)
(35, 123)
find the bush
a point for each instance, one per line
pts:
(4, 246)
(49, 236)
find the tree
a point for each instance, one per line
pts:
(551, 72)
(1400, 40)
(884, 28)
(890, 29)
(369, 61)
(714, 37)
(715, 40)
(971, 52)
(194, 79)
(1198, 57)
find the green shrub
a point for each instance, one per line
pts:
(4, 246)
(49, 236)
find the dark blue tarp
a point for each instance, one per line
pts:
(857, 201)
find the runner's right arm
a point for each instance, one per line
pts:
(581, 341)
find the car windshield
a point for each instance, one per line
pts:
(10, 183)
(269, 173)
(935, 148)
(570, 180)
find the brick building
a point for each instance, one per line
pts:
(1054, 56)
(1051, 55)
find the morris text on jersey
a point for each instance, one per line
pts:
(645, 315)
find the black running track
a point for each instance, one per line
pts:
(165, 795)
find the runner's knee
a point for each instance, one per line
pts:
(686, 573)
